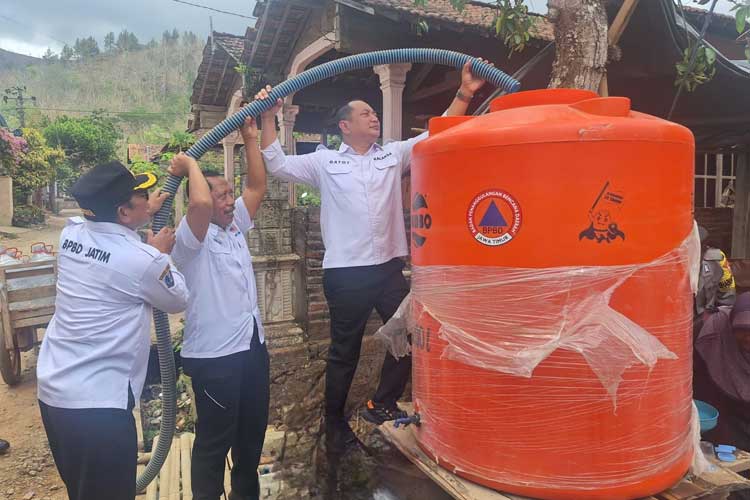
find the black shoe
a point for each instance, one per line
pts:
(4, 446)
(339, 436)
(377, 413)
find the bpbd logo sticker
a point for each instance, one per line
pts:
(603, 217)
(421, 220)
(494, 217)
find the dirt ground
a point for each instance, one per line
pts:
(27, 471)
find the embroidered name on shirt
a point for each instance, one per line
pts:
(92, 253)
(338, 162)
(378, 158)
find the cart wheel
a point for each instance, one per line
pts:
(10, 363)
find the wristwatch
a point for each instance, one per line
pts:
(463, 97)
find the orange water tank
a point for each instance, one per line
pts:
(556, 198)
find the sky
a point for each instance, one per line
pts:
(31, 26)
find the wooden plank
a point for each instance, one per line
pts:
(31, 304)
(228, 474)
(174, 472)
(30, 269)
(165, 478)
(31, 294)
(457, 487)
(138, 426)
(33, 313)
(742, 463)
(30, 282)
(35, 321)
(186, 455)
(152, 490)
(5, 329)
(621, 21)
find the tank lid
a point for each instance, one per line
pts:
(440, 123)
(541, 98)
(604, 106)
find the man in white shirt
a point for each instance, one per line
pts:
(224, 349)
(93, 359)
(362, 224)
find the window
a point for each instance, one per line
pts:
(714, 180)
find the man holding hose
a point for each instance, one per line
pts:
(362, 223)
(224, 348)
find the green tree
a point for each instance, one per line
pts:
(86, 48)
(127, 42)
(86, 141)
(109, 42)
(37, 165)
(67, 53)
(49, 55)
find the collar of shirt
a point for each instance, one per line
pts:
(214, 229)
(344, 148)
(112, 228)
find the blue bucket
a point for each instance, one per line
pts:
(709, 416)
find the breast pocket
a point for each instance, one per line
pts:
(341, 178)
(221, 256)
(386, 163)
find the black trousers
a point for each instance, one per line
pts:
(231, 397)
(95, 450)
(352, 293)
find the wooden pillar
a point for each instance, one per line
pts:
(741, 216)
(392, 83)
(615, 32)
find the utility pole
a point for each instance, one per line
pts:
(17, 94)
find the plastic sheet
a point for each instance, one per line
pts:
(504, 331)
(509, 321)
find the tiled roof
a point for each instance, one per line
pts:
(474, 14)
(233, 44)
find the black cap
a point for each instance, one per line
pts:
(105, 187)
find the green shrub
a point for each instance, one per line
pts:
(28, 216)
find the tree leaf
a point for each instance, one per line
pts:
(741, 19)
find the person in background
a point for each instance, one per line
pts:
(723, 345)
(716, 286)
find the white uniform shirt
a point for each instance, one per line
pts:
(223, 297)
(361, 212)
(97, 343)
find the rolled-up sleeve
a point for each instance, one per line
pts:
(294, 168)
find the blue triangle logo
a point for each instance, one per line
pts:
(493, 217)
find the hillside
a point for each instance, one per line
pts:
(147, 90)
(11, 60)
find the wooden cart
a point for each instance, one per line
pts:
(27, 303)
